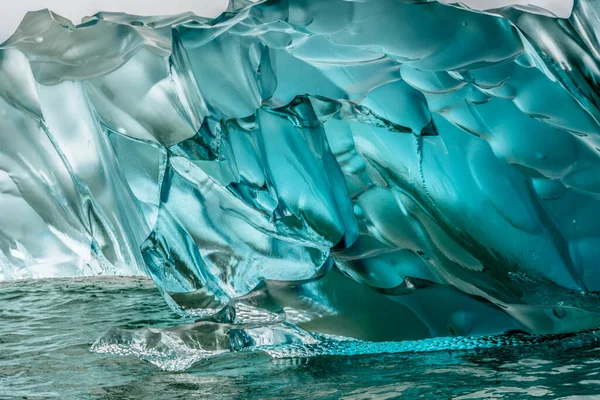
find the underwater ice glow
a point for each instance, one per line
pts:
(380, 170)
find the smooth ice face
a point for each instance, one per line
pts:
(77, 10)
(380, 169)
(557, 8)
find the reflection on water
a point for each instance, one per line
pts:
(47, 327)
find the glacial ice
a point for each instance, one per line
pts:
(381, 170)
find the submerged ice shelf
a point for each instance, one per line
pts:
(380, 170)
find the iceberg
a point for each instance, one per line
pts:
(294, 170)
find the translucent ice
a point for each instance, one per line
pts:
(378, 169)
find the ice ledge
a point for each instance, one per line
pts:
(558, 8)
(12, 13)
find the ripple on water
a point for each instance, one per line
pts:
(48, 326)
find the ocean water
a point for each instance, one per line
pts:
(48, 326)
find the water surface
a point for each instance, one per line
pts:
(48, 326)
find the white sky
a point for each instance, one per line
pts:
(13, 11)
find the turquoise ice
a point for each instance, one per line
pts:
(378, 170)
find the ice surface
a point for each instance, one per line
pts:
(378, 169)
